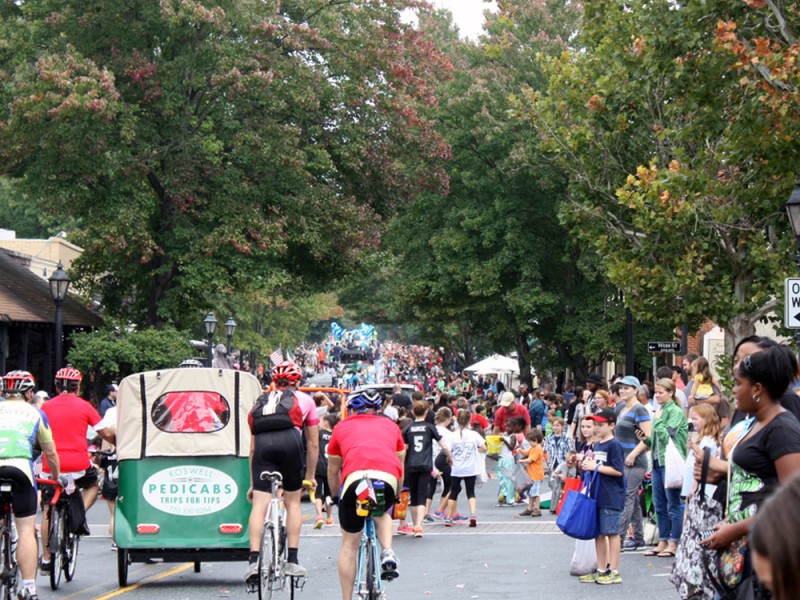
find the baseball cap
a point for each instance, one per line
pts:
(507, 399)
(43, 395)
(113, 388)
(630, 380)
(594, 378)
(603, 416)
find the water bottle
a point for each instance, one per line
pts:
(379, 497)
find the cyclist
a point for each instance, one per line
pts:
(276, 445)
(70, 416)
(22, 425)
(364, 445)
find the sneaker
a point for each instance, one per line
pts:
(609, 577)
(319, 523)
(405, 530)
(294, 570)
(590, 578)
(251, 575)
(631, 546)
(329, 521)
(526, 513)
(417, 532)
(26, 594)
(448, 522)
(536, 512)
(113, 547)
(473, 522)
(389, 564)
(440, 515)
(44, 567)
(428, 519)
(458, 517)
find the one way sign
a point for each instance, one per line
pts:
(791, 313)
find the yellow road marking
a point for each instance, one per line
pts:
(163, 575)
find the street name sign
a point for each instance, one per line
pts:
(791, 313)
(672, 347)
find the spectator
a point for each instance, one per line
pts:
(109, 401)
(509, 408)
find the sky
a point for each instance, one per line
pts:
(468, 15)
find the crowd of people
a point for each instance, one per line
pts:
(713, 464)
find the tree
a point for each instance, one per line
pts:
(672, 173)
(211, 147)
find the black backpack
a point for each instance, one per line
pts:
(272, 411)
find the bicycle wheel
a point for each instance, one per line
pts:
(266, 555)
(57, 536)
(373, 584)
(11, 575)
(71, 542)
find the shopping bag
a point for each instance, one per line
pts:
(570, 483)
(483, 476)
(522, 480)
(673, 466)
(578, 518)
(584, 559)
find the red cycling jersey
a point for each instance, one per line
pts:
(69, 417)
(367, 443)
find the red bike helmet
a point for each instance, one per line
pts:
(68, 378)
(286, 373)
(18, 382)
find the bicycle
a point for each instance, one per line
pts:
(273, 550)
(368, 583)
(10, 577)
(62, 542)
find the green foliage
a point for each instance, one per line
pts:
(110, 354)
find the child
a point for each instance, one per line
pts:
(533, 459)
(557, 445)
(586, 441)
(326, 425)
(505, 467)
(569, 468)
(609, 491)
(706, 426)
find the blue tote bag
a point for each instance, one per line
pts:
(578, 517)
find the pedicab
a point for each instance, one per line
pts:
(183, 444)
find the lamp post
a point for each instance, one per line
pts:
(59, 285)
(230, 327)
(211, 326)
(684, 328)
(793, 210)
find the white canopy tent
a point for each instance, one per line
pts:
(506, 369)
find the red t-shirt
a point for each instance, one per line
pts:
(367, 442)
(503, 414)
(69, 417)
(480, 420)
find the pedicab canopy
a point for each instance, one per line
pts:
(188, 412)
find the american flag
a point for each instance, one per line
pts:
(276, 357)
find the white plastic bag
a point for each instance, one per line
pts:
(673, 466)
(584, 559)
(483, 476)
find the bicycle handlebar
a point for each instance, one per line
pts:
(53, 482)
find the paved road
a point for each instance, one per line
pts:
(505, 556)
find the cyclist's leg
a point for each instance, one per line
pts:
(26, 546)
(383, 529)
(294, 517)
(255, 524)
(348, 554)
(44, 530)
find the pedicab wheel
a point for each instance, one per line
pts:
(123, 560)
(58, 528)
(197, 566)
(71, 543)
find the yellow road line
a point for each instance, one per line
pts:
(163, 575)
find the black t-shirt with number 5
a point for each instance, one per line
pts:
(419, 437)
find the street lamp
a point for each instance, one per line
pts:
(211, 326)
(230, 327)
(793, 210)
(59, 285)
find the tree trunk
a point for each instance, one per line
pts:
(523, 359)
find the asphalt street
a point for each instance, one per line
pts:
(505, 556)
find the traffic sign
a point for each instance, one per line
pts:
(672, 347)
(791, 302)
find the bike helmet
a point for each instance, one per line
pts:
(286, 373)
(364, 400)
(68, 378)
(190, 363)
(18, 382)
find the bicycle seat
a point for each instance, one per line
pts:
(273, 476)
(6, 486)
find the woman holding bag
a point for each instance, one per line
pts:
(669, 423)
(765, 457)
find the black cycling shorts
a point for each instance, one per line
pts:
(23, 495)
(348, 519)
(87, 480)
(280, 451)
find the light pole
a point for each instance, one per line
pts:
(59, 285)
(211, 326)
(684, 328)
(793, 210)
(230, 327)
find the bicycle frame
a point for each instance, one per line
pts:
(10, 577)
(368, 583)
